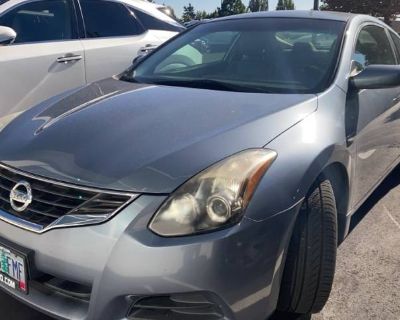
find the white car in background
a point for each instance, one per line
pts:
(50, 46)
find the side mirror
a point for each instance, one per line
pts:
(377, 77)
(7, 36)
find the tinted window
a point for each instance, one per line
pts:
(396, 41)
(320, 41)
(41, 21)
(152, 23)
(373, 47)
(249, 55)
(108, 19)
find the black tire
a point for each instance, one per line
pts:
(311, 257)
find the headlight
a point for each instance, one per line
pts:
(214, 198)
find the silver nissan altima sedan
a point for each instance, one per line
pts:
(212, 180)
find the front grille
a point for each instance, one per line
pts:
(52, 200)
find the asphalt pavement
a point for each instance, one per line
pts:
(367, 280)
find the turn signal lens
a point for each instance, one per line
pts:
(216, 197)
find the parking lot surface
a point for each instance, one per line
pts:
(367, 281)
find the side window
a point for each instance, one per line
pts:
(373, 47)
(396, 41)
(152, 23)
(40, 21)
(320, 41)
(108, 19)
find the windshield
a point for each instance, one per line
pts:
(251, 55)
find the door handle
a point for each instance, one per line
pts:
(147, 49)
(350, 140)
(69, 58)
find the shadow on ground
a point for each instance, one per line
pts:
(391, 182)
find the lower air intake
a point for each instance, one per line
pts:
(176, 307)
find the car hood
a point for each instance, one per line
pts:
(143, 138)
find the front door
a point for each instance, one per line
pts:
(46, 58)
(113, 38)
(377, 112)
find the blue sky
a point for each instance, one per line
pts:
(211, 5)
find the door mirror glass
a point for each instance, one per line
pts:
(7, 36)
(377, 77)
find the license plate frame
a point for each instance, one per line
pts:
(17, 255)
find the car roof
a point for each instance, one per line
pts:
(306, 14)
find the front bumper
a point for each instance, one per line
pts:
(122, 261)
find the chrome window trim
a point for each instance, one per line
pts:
(66, 221)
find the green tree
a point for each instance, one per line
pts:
(188, 13)
(201, 15)
(231, 7)
(170, 11)
(213, 15)
(280, 5)
(285, 5)
(387, 9)
(289, 5)
(258, 5)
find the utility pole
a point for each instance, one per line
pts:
(316, 4)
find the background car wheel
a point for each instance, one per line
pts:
(311, 257)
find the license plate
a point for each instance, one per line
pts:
(13, 270)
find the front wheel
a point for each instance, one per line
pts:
(311, 257)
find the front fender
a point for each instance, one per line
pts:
(304, 151)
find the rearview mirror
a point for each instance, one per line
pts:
(7, 36)
(377, 77)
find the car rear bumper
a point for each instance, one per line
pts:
(107, 268)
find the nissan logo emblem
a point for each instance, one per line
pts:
(21, 196)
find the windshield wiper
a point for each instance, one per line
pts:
(206, 84)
